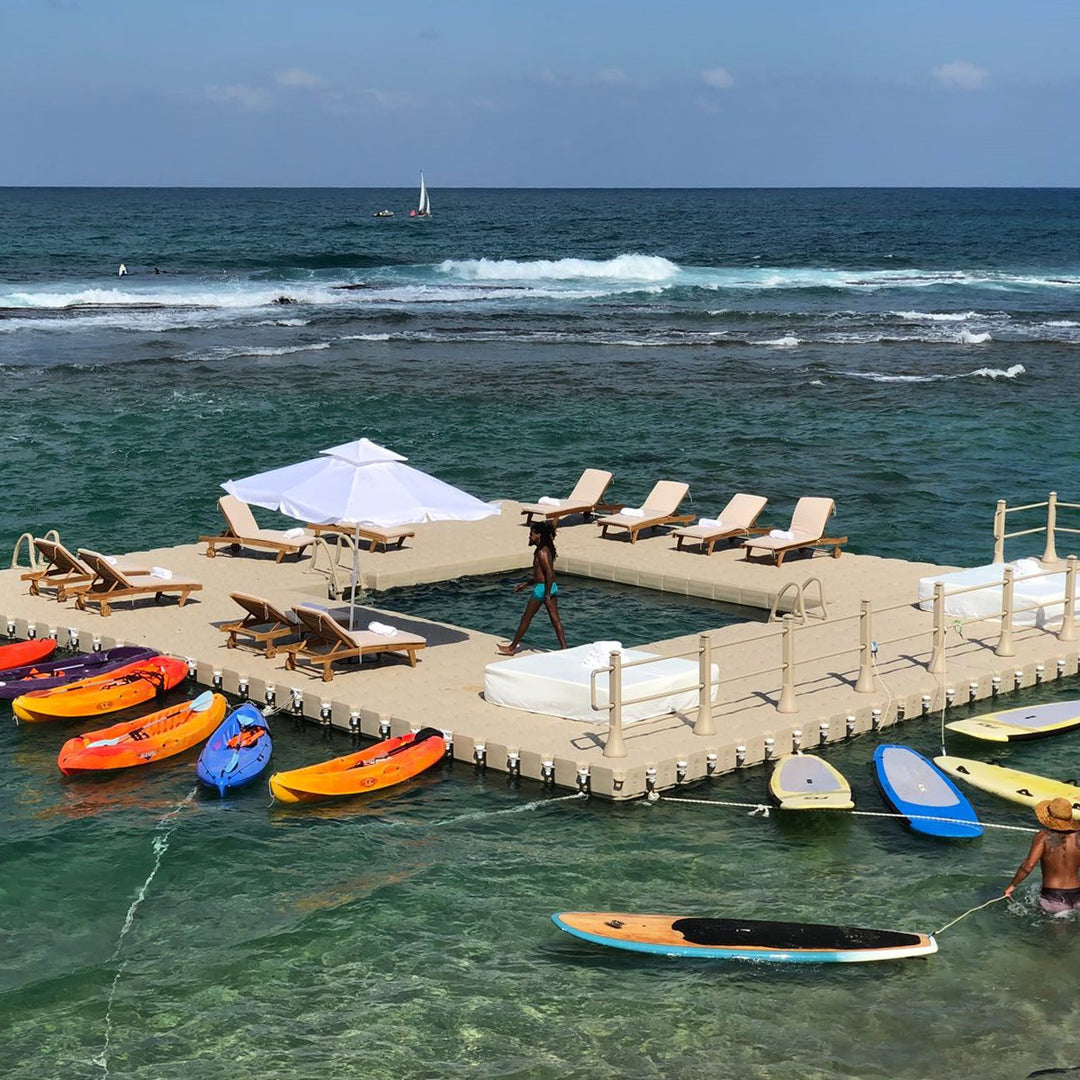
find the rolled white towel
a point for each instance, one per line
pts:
(598, 654)
(382, 629)
(711, 523)
(782, 534)
(547, 500)
(1026, 567)
(161, 572)
(632, 511)
(293, 534)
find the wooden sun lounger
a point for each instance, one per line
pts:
(807, 530)
(372, 535)
(111, 584)
(659, 508)
(584, 499)
(326, 640)
(264, 624)
(65, 570)
(242, 530)
(738, 518)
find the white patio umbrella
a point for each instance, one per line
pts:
(359, 483)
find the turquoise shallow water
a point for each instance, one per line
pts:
(909, 353)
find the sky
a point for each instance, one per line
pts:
(556, 93)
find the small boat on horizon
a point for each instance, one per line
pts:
(423, 208)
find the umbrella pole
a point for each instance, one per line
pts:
(355, 578)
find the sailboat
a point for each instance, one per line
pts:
(424, 208)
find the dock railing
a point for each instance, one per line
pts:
(864, 652)
(1051, 528)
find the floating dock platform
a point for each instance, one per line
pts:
(800, 683)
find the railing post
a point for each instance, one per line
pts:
(704, 725)
(999, 531)
(788, 702)
(1050, 554)
(614, 747)
(1068, 626)
(937, 656)
(1005, 642)
(865, 682)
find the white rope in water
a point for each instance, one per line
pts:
(763, 810)
(970, 911)
(160, 845)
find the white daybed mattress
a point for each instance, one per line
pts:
(987, 603)
(557, 684)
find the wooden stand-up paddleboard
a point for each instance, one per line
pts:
(1013, 725)
(742, 939)
(806, 782)
(1019, 787)
(931, 802)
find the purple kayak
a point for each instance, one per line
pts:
(52, 673)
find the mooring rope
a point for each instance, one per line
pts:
(764, 810)
(160, 845)
(970, 911)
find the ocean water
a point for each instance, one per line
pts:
(910, 353)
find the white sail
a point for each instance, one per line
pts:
(424, 201)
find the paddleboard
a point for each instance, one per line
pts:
(742, 939)
(928, 799)
(1019, 787)
(807, 782)
(1013, 725)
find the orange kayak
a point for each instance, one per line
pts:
(380, 766)
(119, 689)
(20, 653)
(149, 738)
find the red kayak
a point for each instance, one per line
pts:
(20, 653)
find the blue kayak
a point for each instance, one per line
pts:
(237, 752)
(921, 792)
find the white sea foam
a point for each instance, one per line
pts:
(365, 337)
(968, 338)
(1061, 322)
(787, 342)
(632, 268)
(226, 352)
(1013, 372)
(937, 316)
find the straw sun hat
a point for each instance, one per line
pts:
(1056, 814)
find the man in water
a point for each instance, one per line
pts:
(542, 586)
(1056, 849)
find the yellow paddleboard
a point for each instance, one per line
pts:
(1019, 787)
(807, 782)
(1013, 725)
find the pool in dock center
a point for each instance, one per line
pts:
(590, 610)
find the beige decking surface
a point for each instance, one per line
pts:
(445, 689)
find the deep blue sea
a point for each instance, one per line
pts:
(910, 353)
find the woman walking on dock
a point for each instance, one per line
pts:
(543, 587)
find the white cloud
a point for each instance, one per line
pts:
(611, 75)
(298, 78)
(247, 97)
(717, 77)
(960, 75)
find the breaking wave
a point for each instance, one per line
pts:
(1013, 372)
(629, 268)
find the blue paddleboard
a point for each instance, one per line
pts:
(922, 793)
